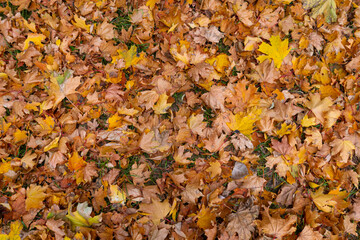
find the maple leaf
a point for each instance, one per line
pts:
(318, 7)
(131, 57)
(28, 160)
(309, 234)
(243, 122)
(157, 210)
(242, 222)
(76, 162)
(54, 225)
(61, 89)
(206, 218)
(162, 106)
(82, 216)
(116, 195)
(277, 51)
(34, 38)
(328, 202)
(14, 234)
(344, 148)
(277, 227)
(35, 195)
(214, 169)
(318, 106)
(20, 136)
(80, 23)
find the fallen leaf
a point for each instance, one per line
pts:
(35, 195)
(318, 7)
(206, 218)
(82, 216)
(157, 210)
(277, 50)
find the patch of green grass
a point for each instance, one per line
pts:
(198, 89)
(163, 167)
(122, 21)
(179, 98)
(25, 13)
(209, 115)
(12, 7)
(222, 48)
(22, 151)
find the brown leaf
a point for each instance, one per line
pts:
(242, 222)
(286, 196)
(276, 227)
(309, 234)
(157, 210)
(54, 225)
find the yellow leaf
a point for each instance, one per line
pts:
(323, 201)
(151, 3)
(116, 195)
(277, 51)
(47, 124)
(5, 167)
(80, 23)
(131, 57)
(220, 62)
(35, 39)
(28, 160)
(115, 121)
(214, 169)
(128, 111)
(206, 218)
(129, 84)
(308, 122)
(162, 106)
(14, 234)
(20, 136)
(313, 185)
(318, 7)
(76, 162)
(285, 129)
(180, 52)
(54, 144)
(82, 216)
(322, 76)
(244, 123)
(3, 75)
(35, 195)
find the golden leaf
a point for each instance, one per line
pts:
(35, 39)
(277, 51)
(206, 218)
(14, 234)
(82, 216)
(20, 136)
(76, 162)
(35, 195)
(80, 23)
(130, 57)
(244, 123)
(162, 106)
(116, 195)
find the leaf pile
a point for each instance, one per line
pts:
(211, 119)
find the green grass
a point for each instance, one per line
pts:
(222, 48)
(122, 21)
